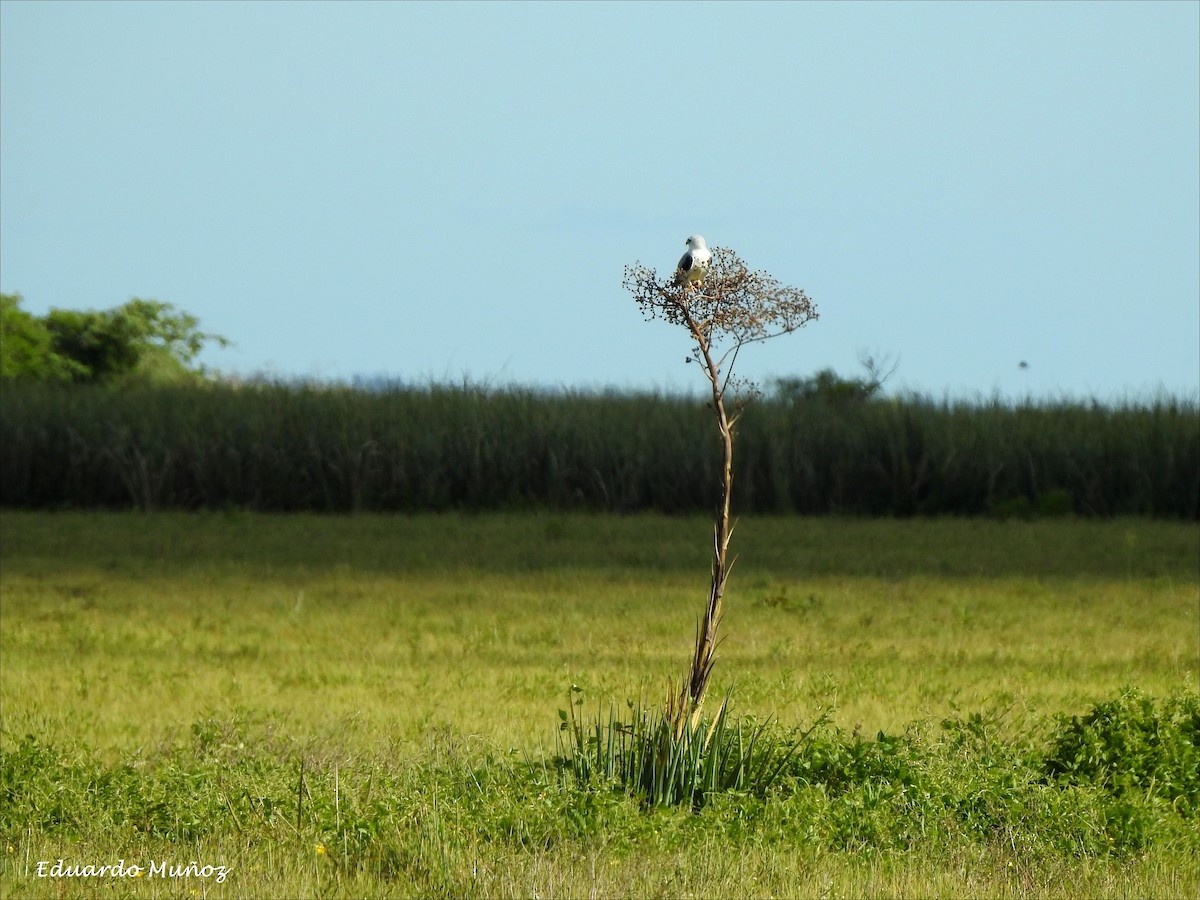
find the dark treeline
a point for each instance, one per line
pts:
(275, 447)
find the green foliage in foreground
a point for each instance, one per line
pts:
(430, 825)
(274, 447)
(325, 705)
(1129, 747)
(645, 755)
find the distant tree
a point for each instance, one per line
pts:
(141, 339)
(827, 386)
(27, 346)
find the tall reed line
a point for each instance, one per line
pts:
(279, 447)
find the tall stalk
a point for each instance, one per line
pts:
(730, 308)
(688, 704)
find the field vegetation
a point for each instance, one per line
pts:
(368, 705)
(811, 447)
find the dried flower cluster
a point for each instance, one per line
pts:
(730, 308)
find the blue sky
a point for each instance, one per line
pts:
(450, 190)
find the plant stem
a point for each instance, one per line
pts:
(695, 684)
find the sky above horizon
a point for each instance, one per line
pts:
(451, 191)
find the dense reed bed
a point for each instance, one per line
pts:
(280, 447)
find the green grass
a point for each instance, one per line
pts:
(172, 683)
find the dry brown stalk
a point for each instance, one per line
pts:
(730, 308)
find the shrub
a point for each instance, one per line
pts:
(1133, 745)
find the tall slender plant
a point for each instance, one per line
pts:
(722, 313)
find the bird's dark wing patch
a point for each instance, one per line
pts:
(685, 263)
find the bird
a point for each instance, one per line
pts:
(693, 265)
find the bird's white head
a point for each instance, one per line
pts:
(695, 242)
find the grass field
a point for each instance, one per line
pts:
(367, 706)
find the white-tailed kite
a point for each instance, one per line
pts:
(693, 266)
